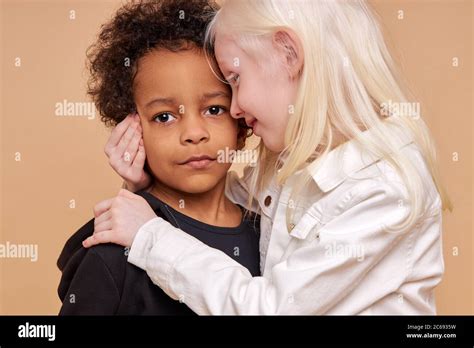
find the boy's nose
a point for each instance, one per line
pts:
(194, 132)
(196, 139)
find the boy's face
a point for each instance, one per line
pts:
(184, 112)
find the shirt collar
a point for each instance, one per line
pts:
(349, 158)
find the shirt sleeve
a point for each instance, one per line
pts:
(307, 281)
(93, 290)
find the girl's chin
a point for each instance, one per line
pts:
(274, 147)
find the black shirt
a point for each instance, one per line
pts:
(100, 281)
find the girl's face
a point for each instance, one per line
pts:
(262, 93)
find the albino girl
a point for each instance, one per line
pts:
(346, 184)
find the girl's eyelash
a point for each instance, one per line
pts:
(233, 79)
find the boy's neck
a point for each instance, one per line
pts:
(211, 207)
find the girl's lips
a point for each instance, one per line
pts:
(200, 164)
(251, 123)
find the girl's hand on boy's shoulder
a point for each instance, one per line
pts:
(126, 153)
(117, 220)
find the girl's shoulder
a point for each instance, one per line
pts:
(353, 180)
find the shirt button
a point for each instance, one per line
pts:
(268, 201)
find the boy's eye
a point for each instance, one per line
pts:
(215, 110)
(164, 117)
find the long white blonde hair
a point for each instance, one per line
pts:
(348, 74)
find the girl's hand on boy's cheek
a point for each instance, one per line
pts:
(126, 153)
(118, 220)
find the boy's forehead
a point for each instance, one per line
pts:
(165, 55)
(181, 64)
(167, 72)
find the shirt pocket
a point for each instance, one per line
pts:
(307, 228)
(320, 214)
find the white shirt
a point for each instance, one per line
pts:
(338, 258)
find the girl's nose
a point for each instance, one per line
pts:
(235, 110)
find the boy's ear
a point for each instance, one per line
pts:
(288, 44)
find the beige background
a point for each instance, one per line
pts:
(62, 158)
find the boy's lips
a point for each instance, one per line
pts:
(199, 161)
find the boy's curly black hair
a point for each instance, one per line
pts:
(137, 28)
